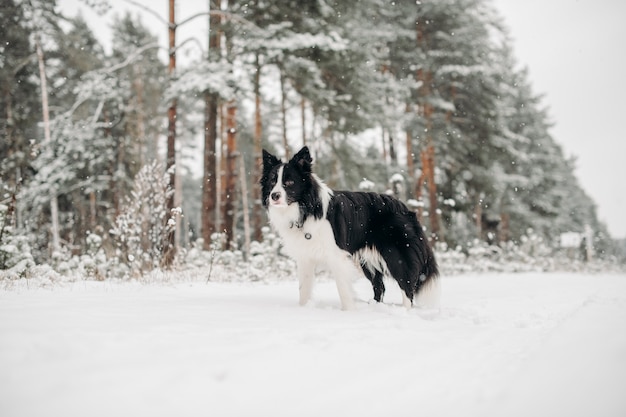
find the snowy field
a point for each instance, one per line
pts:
(500, 345)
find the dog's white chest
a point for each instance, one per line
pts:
(312, 240)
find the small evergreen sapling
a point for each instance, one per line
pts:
(141, 232)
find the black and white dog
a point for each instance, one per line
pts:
(335, 228)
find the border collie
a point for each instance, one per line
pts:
(337, 228)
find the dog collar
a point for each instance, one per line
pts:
(299, 225)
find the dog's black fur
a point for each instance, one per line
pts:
(385, 224)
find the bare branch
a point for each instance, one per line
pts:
(149, 10)
(116, 67)
(133, 56)
(23, 63)
(195, 40)
(220, 13)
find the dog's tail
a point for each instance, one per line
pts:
(429, 294)
(428, 288)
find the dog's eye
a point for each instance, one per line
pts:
(289, 183)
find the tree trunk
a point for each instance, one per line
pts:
(54, 203)
(93, 219)
(383, 138)
(178, 202)
(221, 186)
(436, 232)
(419, 186)
(283, 112)
(115, 186)
(478, 218)
(410, 155)
(257, 210)
(209, 181)
(392, 150)
(303, 118)
(244, 205)
(170, 162)
(229, 193)
(505, 227)
(424, 77)
(141, 144)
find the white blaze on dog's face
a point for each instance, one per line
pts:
(278, 194)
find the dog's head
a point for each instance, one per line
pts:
(286, 183)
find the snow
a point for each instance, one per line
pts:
(501, 344)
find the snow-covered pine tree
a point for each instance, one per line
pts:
(15, 253)
(16, 258)
(19, 96)
(456, 98)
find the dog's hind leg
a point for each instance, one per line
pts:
(400, 269)
(376, 278)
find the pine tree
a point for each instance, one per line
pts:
(78, 52)
(139, 118)
(19, 98)
(458, 93)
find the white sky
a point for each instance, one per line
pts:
(575, 53)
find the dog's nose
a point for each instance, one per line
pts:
(276, 196)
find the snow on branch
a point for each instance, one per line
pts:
(212, 77)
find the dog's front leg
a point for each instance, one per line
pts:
(344, 270)
(306, 275)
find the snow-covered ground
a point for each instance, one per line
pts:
(500, 345)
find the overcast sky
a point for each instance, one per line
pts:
(575, 53)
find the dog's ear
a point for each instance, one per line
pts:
(269, 161)
(303, 159)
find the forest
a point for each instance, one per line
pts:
(421, 99)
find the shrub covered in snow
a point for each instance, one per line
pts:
(531, 254)
(266, 258)
(93, 264)
(265, 262)
(142, 231)
(15, 252)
